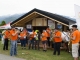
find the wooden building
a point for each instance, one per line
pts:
(38, 19)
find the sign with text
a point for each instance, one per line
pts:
(29, 26)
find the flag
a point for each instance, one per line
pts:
(77, 15)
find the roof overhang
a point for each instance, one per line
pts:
(24, 20)
(21, 22)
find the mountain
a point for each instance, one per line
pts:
(3, 17)
(10, 18)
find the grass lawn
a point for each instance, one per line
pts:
(38, 55)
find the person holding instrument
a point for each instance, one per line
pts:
(57, 41)
(75, 42)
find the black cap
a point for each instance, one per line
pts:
(74, 26)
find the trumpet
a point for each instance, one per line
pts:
(70, 41)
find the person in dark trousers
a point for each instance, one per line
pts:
(23, 39)
(48, 35)
(37, 40)
(57, 41)
(31, 41)
(67, 41)
(79, 48)
(6, 36)
(44, 40)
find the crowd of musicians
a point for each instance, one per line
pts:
(35, 39)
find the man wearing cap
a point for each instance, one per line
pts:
(75, 42)
(57, 41)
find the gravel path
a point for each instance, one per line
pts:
(5, 57)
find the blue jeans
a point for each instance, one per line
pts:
(23, 43)
(13, 48)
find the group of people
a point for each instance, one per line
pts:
(34, 38)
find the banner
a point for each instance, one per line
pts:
(6, 26)
(77, 15)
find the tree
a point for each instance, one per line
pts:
(2, 23)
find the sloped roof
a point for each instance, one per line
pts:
(51, 15)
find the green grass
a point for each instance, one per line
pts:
(38, 55)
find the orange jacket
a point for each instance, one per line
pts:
(56, 39)
(44, 36)
(77, 35)
(6, 34)
(22, 35)
(31, 36)
(48, 32)
(15, 37)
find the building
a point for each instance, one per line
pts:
(38, 19)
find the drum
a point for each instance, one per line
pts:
(65, 37)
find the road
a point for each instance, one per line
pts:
(6, 57)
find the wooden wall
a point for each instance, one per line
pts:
(39, 22)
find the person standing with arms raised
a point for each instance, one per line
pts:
(14, 38)
(75, 42)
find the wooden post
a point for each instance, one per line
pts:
(65, 28)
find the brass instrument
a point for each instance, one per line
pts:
(70, 42)
(70, 39)
(52, 36)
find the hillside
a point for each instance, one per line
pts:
(10, 18)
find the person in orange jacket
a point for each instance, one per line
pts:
(79, 45)
(75, 42)
(44, 40)
(6, 36)
(13, 39)
(48, 35)
(31, 41)
(57, 41)
(23, 35)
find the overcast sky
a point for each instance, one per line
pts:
(63, 7)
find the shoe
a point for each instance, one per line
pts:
(6, 49)
(24, 48)
(58, 54)
(54, 54)
(3, 49)
(45, 50)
